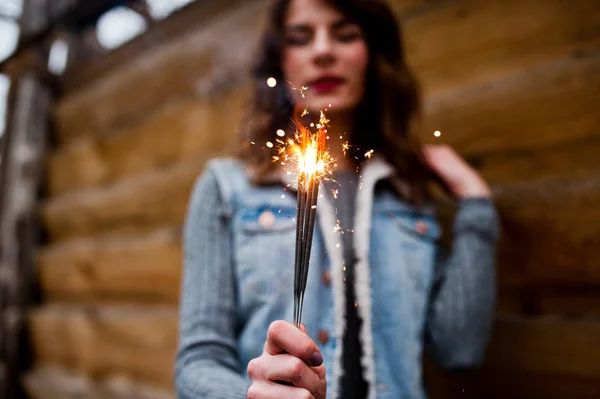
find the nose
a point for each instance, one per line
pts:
(323, 48)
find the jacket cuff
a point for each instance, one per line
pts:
(477, 215)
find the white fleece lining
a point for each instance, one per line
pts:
(333, 244)
(372, 172)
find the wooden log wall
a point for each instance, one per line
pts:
(514, 86)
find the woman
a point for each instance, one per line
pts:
(378, 294)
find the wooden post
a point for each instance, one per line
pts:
(22, 155)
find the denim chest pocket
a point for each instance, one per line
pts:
(406, 241)
(264, 254)
(418, 238)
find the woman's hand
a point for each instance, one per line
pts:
(289, 356)
(460, 177)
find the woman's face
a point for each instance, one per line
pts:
(325, 52)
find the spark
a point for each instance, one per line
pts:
(437, 133)
(269, 144)
(345, 147)
(369, 154)
(301, 89)
(280, 133)
(304, 113)
(337, 227)
(272, 82)
(323, 121)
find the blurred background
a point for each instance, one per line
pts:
(109, 109)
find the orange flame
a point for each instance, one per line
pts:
(307, 150)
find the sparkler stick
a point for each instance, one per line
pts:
(308, 194)
(299, 245)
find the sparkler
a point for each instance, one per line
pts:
(311, 161)
(312, 158)
(308, 156)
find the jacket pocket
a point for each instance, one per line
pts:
(265, 255)
(408, 242)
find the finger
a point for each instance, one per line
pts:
(270, 390)
(303, 328)
(291, 369)
(284, 337)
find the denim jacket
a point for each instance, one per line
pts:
(238, 278)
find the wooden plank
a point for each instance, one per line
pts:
(550, 104)
(453, 43)
(574, 160)
(535, 300)
(178, 132)
(58, 383)
(532, 358)
(136, 341)
(574, 302)
(142, 268)
(550, 233)
(203, 62)
(546, 345)
(501, 385)
(137, 205)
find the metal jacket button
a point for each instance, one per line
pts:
(326, 278)
(266, 219)
(421, 227)
(323, 336)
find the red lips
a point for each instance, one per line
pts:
(327, 83)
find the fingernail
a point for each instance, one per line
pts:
(316, 359)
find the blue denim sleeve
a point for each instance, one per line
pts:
(462, 306)
(207, 364)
